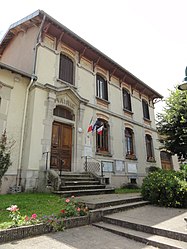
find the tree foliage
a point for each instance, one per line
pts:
(5, 161)
(172, 123)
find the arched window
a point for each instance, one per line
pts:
(126, 100)
(62, 112)
(102, 138)
(129, 141)
(149, 147)
(145, 107)
(101, 87)
(66, 69)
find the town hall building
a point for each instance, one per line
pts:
(53, 86)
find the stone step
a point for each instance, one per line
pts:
(114, 202)
(83, 192)
(98, 214)
(79, 187)
(77, 182)
(147, 238)
(74, 178)
(146, 228)
(81, 175)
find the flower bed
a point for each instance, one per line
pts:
(17, 233)
(73, 214)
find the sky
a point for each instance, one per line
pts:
(146, 37)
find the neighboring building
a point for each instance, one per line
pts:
(52, 83)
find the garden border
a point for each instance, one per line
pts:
(21, 232)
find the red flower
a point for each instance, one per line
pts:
(62, 211)
(26, 218)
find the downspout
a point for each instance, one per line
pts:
(19, 169)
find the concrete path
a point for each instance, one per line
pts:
(90, 237)
(171, 219)
(87, 237)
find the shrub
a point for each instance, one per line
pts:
(130, 186)
(5, 161)
(165, 188)
(153, 169)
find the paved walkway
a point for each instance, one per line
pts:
(171, 219)
(87, 237)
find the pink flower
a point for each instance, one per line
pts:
(72, 196)
(33, 216)
(78, 209)
(67, 200)
(13, 208)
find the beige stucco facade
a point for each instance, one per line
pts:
(27, 106)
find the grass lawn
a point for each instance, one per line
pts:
(127, 190)
(30, 203)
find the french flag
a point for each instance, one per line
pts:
(100, 130)
(90, 127)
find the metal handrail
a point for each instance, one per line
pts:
(86, 163)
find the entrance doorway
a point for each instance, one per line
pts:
(61, 147)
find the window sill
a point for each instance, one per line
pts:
(147, 120)
(103, 153)
(128, 111)
(131, 157)
(103, 100)
(151, 160)
(66, 83)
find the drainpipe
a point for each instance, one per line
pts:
(19, 170)
(18, 180)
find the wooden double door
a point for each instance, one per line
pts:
(61, 147)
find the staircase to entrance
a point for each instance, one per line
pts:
(78, 184)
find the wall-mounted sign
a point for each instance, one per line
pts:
(107, 166)
(65, 101)
(132, 168)
(120, 165)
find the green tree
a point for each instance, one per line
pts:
(172, 123)
(5, 161)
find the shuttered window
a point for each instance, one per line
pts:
(66, 69)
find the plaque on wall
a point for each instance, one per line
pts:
(88, 151)
(132, 168)
(107, 166)
(120, 165)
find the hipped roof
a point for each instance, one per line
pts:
(63, 34)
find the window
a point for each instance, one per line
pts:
(102, 139)
(145, 107)
(66, 69)
(129, 143)
(149, 148)
(101, 85)
(62, 112)
(126, 100)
